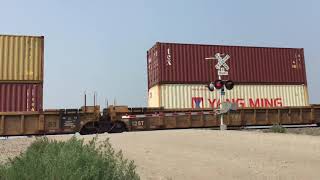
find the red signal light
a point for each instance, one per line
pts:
(218, 84)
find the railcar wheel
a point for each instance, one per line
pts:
(118, 127)
(89, 129)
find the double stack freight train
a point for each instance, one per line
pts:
(115, 119)
(270, 87)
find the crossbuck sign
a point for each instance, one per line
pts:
(221, 66)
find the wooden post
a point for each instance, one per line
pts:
(190, 121)
(267, 117)
(254, 116)
(176, 121)
(147, 122)
(279, 116)
(242, 120)
(312, 116)
(22, 125)
(202, 120)
(289, 114)
(41, 124)
(301, 115)
(2, 128)
(161, 122)
(229, 120)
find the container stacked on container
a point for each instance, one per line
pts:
(21, 73)
(264, 77)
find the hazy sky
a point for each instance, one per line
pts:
(101, 45)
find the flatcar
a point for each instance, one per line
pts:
(116, 119)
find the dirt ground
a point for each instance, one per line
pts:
(208, 154)
(314, 131)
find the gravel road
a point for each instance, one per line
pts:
(207, 154)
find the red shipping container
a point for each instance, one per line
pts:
(17, 97)
(171, 63)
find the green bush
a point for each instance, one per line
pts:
(72, 159)
(277, 128)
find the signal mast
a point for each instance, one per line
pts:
(219, 84)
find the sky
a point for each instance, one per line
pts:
(100, 46)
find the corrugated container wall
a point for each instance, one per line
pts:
(170, 63)
(21, 58)
(198, 96)
(20, 97)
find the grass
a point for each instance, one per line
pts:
(72, 159)
(277, 128)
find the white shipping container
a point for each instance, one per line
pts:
(198, 96)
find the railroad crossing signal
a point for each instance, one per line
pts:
(221, 84)
(221, 66)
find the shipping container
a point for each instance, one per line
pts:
(171, 63)
(253, 96)
(20, 97)
(21, 58)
